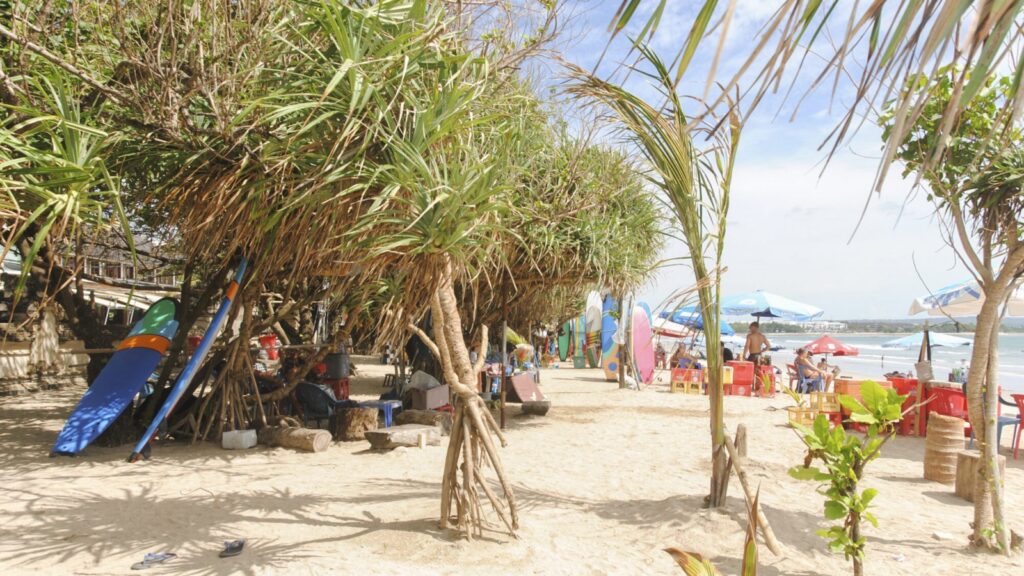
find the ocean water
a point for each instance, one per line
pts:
(875, 360)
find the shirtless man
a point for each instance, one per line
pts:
(756, 343)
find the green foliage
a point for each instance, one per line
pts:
(843, 457)
(53, 171)
(982, 165)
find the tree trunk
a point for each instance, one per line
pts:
(991, 452)
(719, 456)
(981, 404)
(470, 447)
(44, 356)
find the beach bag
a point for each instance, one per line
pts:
(924, 371)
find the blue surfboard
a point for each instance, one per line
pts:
(609, 349)
(121, 379)
(190, 368)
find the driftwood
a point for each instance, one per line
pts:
(351, 424)
(404, 435)
(443, 420)
(762, 521)
(967, 472)
(297, 438)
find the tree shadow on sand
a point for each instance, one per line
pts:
(98, 527)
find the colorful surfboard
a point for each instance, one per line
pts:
(564, 337)
(121, 379)
(580, 340)
(647, 310)
(593, 327)
(642, 346)
(193, 364)
(609, 348)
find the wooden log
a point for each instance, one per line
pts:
(536, 407)
(404, 435)
(351, 424)
(967, 472)
(766, 528)
(443, 420)
(741, 441)
(297, 438)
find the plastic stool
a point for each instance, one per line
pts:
(385, 406)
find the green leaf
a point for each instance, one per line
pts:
(834, 510)
(852, 404)
(867, 496)
(700, 25)
(821, 427)
(808, 473)
(874, 396)
(693, 564)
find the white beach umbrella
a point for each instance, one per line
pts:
(963, 299)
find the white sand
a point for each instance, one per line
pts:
(606, 481)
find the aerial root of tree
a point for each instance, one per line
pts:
(471, 448)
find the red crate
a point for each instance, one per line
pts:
(687, 379)
(742, 372)
(736, 389)
(906, 387)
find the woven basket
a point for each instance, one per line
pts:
(945, 439)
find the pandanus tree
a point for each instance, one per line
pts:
(360, 155)
(695, 184)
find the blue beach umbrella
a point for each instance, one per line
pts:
(934, 339)
(690, 316)
(767, 305)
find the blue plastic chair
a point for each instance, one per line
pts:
(805, 384)
(1001, 422)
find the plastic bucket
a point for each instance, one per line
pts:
(337, 365)
(269, 343)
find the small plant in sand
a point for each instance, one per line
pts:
(844, 457)
(694, 564)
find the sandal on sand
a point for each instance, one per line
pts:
(233, 548)
(150, 560)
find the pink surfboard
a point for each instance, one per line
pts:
(643, 345)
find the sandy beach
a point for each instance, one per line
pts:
(605, 481)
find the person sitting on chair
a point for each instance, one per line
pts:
(682, 358)
(660, 355)
(811, 379)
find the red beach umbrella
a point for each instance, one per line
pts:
(829, 345)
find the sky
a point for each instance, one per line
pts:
(793, 228)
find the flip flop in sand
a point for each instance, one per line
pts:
(152, 559)
(232, 548)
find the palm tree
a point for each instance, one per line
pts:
(695, 184)
(875, 46)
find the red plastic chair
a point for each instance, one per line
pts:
(949, 402)
(1019, 399)
(794, 378)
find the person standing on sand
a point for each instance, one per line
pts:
(756, 344)
(660, 355)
